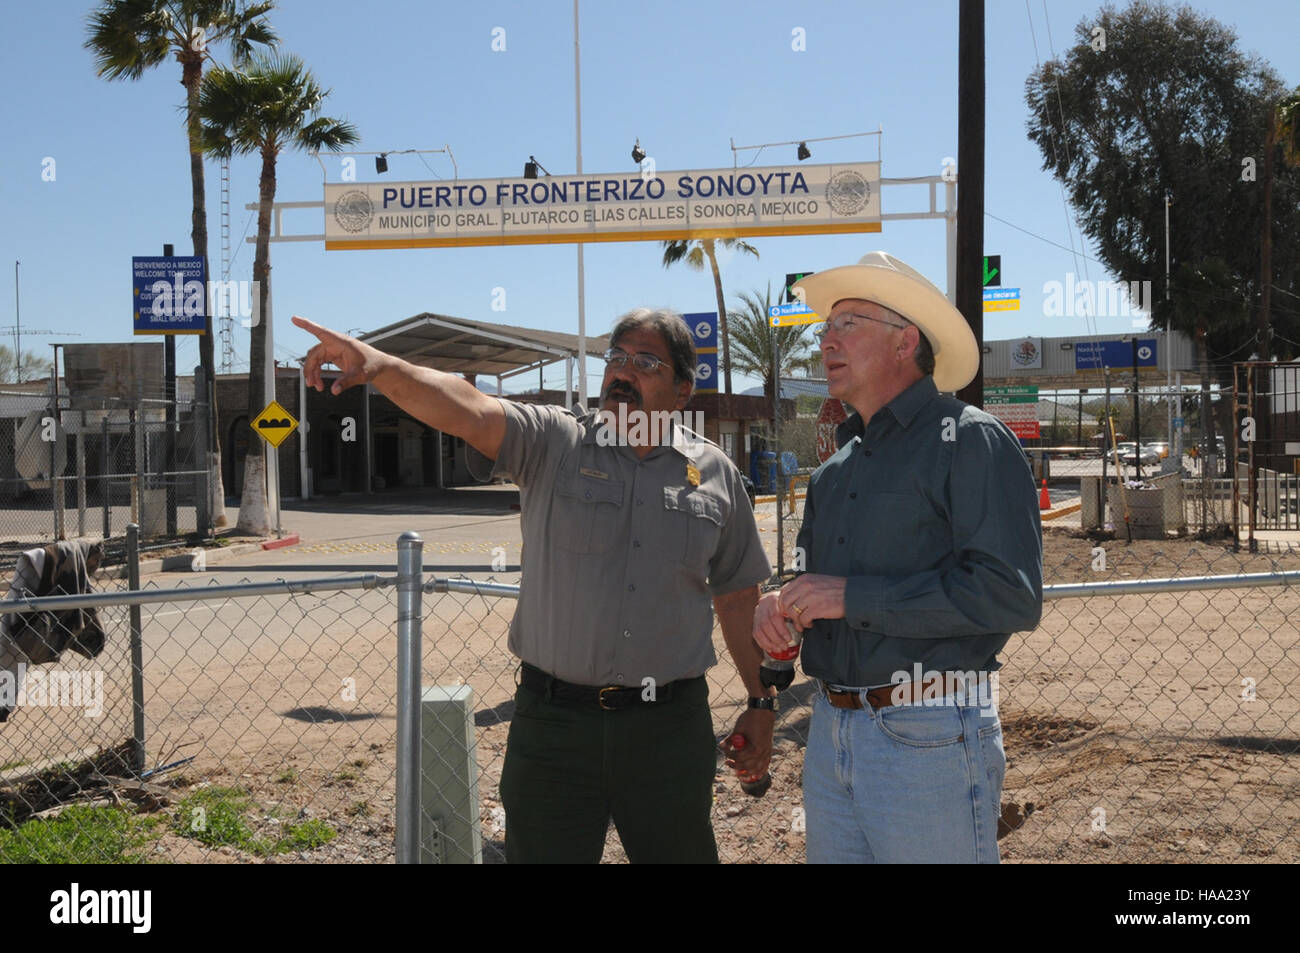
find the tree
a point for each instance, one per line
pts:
(1284, 134)
(1169, 105)
(1288, 127)
(34, 367)
(128, 37)
(755, 337)
(1200, 292)
(271, 105)
(695, 253)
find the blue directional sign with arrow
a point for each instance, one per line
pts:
(785, 315)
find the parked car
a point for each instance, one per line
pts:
(1131, 455)
(1161, 447)
(1201, 448)
(1120, 450)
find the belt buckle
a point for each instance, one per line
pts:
(600, 696)
(852, 698)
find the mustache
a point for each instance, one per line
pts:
(622, 388)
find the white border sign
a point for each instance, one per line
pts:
(615, 207)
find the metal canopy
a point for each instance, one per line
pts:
(463, 346)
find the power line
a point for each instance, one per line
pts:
(427, 166)
(1051, 139)
(1042, 239)
(1069, 159)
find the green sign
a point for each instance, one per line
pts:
(1015, 394)
(790, 279)
(992, 271)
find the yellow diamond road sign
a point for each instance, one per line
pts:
(274, 424)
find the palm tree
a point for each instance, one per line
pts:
(271, 105)
(128, 37)
(695, 253)
(754, 337)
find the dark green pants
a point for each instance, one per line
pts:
(570, 769)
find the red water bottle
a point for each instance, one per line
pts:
(752, 788)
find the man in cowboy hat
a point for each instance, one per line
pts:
(923, 551)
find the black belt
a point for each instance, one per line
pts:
(610, 697)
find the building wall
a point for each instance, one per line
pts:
(404, 451)
(237, 436)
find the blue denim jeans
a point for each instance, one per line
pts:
(903, 784)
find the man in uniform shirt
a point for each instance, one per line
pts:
(922, 543)
(631, 524)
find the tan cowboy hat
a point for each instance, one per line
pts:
(882, 278)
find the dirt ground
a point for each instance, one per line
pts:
(1153, 728)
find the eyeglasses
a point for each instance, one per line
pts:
(844, 324)
(643, 362)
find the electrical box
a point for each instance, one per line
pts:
(449, 804)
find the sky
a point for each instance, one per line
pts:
(684, 78)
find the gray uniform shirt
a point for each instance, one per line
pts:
(622, 554)
(930, 513)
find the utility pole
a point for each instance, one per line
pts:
(1265, 349)
(1137, 418)
(169, 412)
(1263, 409)
(18, 324)
(582, 277)
(1175, 447)
(17, 329)
(970, 182)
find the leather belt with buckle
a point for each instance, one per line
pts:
(885, 696)
(608, 698)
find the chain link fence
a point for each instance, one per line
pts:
(115, 463)
(1143, 721)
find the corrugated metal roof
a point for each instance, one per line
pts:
(464, 346)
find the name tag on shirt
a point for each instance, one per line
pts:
(591, 472)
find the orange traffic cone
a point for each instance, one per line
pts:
(1044, 500)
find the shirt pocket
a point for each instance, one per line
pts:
(885, 530)
(695, 519)
(587, 514)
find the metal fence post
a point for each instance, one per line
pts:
(202, 458)
(105, 484)
(410, 581)
(137, 650)
(56, 487)
(81, 473)
(59, 530)
(138, 422)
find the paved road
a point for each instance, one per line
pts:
(464, 530)
(1091, 466)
